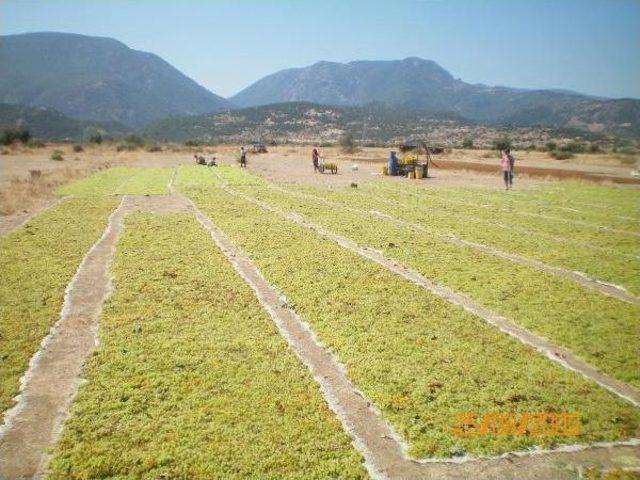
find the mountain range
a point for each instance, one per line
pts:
(101, 79)
(423, 85)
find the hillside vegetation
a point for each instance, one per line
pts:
(302, 122)
(423, 85)
(50, 124)
(98, 79)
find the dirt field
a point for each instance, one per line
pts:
(22, 194)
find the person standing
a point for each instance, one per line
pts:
(315, 157)
(512, 162)
(506, 169)
(243, 158)
(393, 164)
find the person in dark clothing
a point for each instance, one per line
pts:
(512, 162)
(393, 164)
(243, 158)
(315, 157)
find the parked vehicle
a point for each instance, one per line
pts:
(259, 148)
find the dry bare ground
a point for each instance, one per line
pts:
(29, 178)
(458, 168)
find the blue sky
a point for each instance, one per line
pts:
(591, 46)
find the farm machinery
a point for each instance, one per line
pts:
(409, 165)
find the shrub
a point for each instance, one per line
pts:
(550, 146)
(7, 136)
(96, 138)
(78, 148)
(573, 147)
(134, 140)
(24, 136)
(57, 156)
(621, 145)
(627, 150)
(154, 148)
(503, 143)
(36, 144)
(10, 135)
(467, 143)
(126, 147)
(595, 149)
(561, 155)
(347, 143)
(192, 143)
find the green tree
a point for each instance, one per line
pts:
(24, 135)
(347, 143)
(10, 135)
(502, 143)
(595, 148)
(467, 143)
(7, 136)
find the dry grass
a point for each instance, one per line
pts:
(19, 194)
(28, 177)
(19, 191)
(628, 159)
